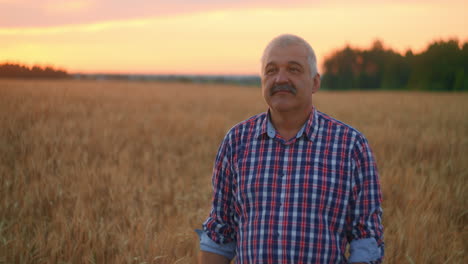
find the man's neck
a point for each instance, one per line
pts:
(287, 124)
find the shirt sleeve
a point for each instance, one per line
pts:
(364, 219)
(221, 225)
(206, 244)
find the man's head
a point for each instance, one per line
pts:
(289, 74)
(288, 39)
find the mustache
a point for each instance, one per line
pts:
(283, 87)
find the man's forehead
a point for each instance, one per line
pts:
(286, 54)
(289, 62)
(292, 54)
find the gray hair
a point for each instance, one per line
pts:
(287, 40)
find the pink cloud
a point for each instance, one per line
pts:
(33, 13)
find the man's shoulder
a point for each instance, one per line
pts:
(331, 122)
(250, 123)
(245, 129)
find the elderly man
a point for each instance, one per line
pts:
(293, 185)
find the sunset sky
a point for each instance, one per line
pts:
(210, 36)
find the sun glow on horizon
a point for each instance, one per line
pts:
(224, 41)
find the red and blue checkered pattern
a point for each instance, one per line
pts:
(296, 201)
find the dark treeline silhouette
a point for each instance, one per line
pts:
(9, 70)
(443, 66)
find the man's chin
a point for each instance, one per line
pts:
(281, 106)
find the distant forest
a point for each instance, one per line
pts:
(9, 70)
(443, 66)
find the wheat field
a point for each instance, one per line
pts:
(120, 172)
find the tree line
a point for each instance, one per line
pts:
(442, 66)
(10, 70)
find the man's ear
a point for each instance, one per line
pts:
(316, 83)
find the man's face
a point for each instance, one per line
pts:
(287, 84)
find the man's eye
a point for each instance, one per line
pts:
(293, 69)
(270, 71)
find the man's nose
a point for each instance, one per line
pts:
(282, 77)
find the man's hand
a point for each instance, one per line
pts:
(211, 258)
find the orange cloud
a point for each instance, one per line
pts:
(229, 41)
(83, 28)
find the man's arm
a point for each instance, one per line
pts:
(364, 221)
(218, 237)
(211, 252)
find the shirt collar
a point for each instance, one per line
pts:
(309, 129)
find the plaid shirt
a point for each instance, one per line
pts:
(296, 201)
